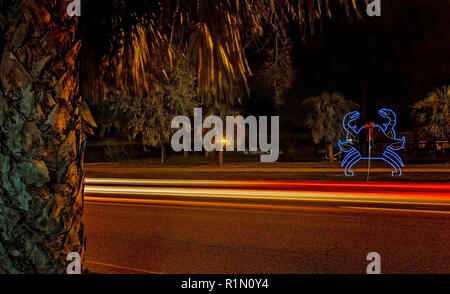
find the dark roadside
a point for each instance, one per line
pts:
(438, 172)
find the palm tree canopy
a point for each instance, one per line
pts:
(133, 44)
(433, 113)
(324, 115)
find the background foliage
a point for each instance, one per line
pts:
(433, 113)
(324, 115)
(150, 118)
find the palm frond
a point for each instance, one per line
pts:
(144, 40)
(433, 113)
(324, 115)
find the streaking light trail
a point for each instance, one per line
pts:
(393, 193)
(444, 187)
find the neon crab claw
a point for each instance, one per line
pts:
(389, 114)
(348, 119)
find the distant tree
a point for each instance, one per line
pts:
(150, 118)
(278, 69)
(324, 116)
(432, 114)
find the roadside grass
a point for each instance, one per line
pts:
(289, 171)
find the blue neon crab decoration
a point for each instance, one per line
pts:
(383, 135)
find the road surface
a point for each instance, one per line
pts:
(157, 226)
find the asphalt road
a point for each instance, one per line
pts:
(180, 233)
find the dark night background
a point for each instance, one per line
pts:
(392, 61)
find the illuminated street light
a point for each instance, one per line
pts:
(220, 157)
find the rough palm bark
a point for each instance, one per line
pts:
(330, 152)
(42, 138)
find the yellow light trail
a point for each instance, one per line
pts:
(286, 184)
(210, 193)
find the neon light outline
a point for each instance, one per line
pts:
(353, 156)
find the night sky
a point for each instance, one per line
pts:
(394, 60)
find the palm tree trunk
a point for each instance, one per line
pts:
(434, 149)
(163, 154)
(42, 138)
(330, 152)
(220, 158)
